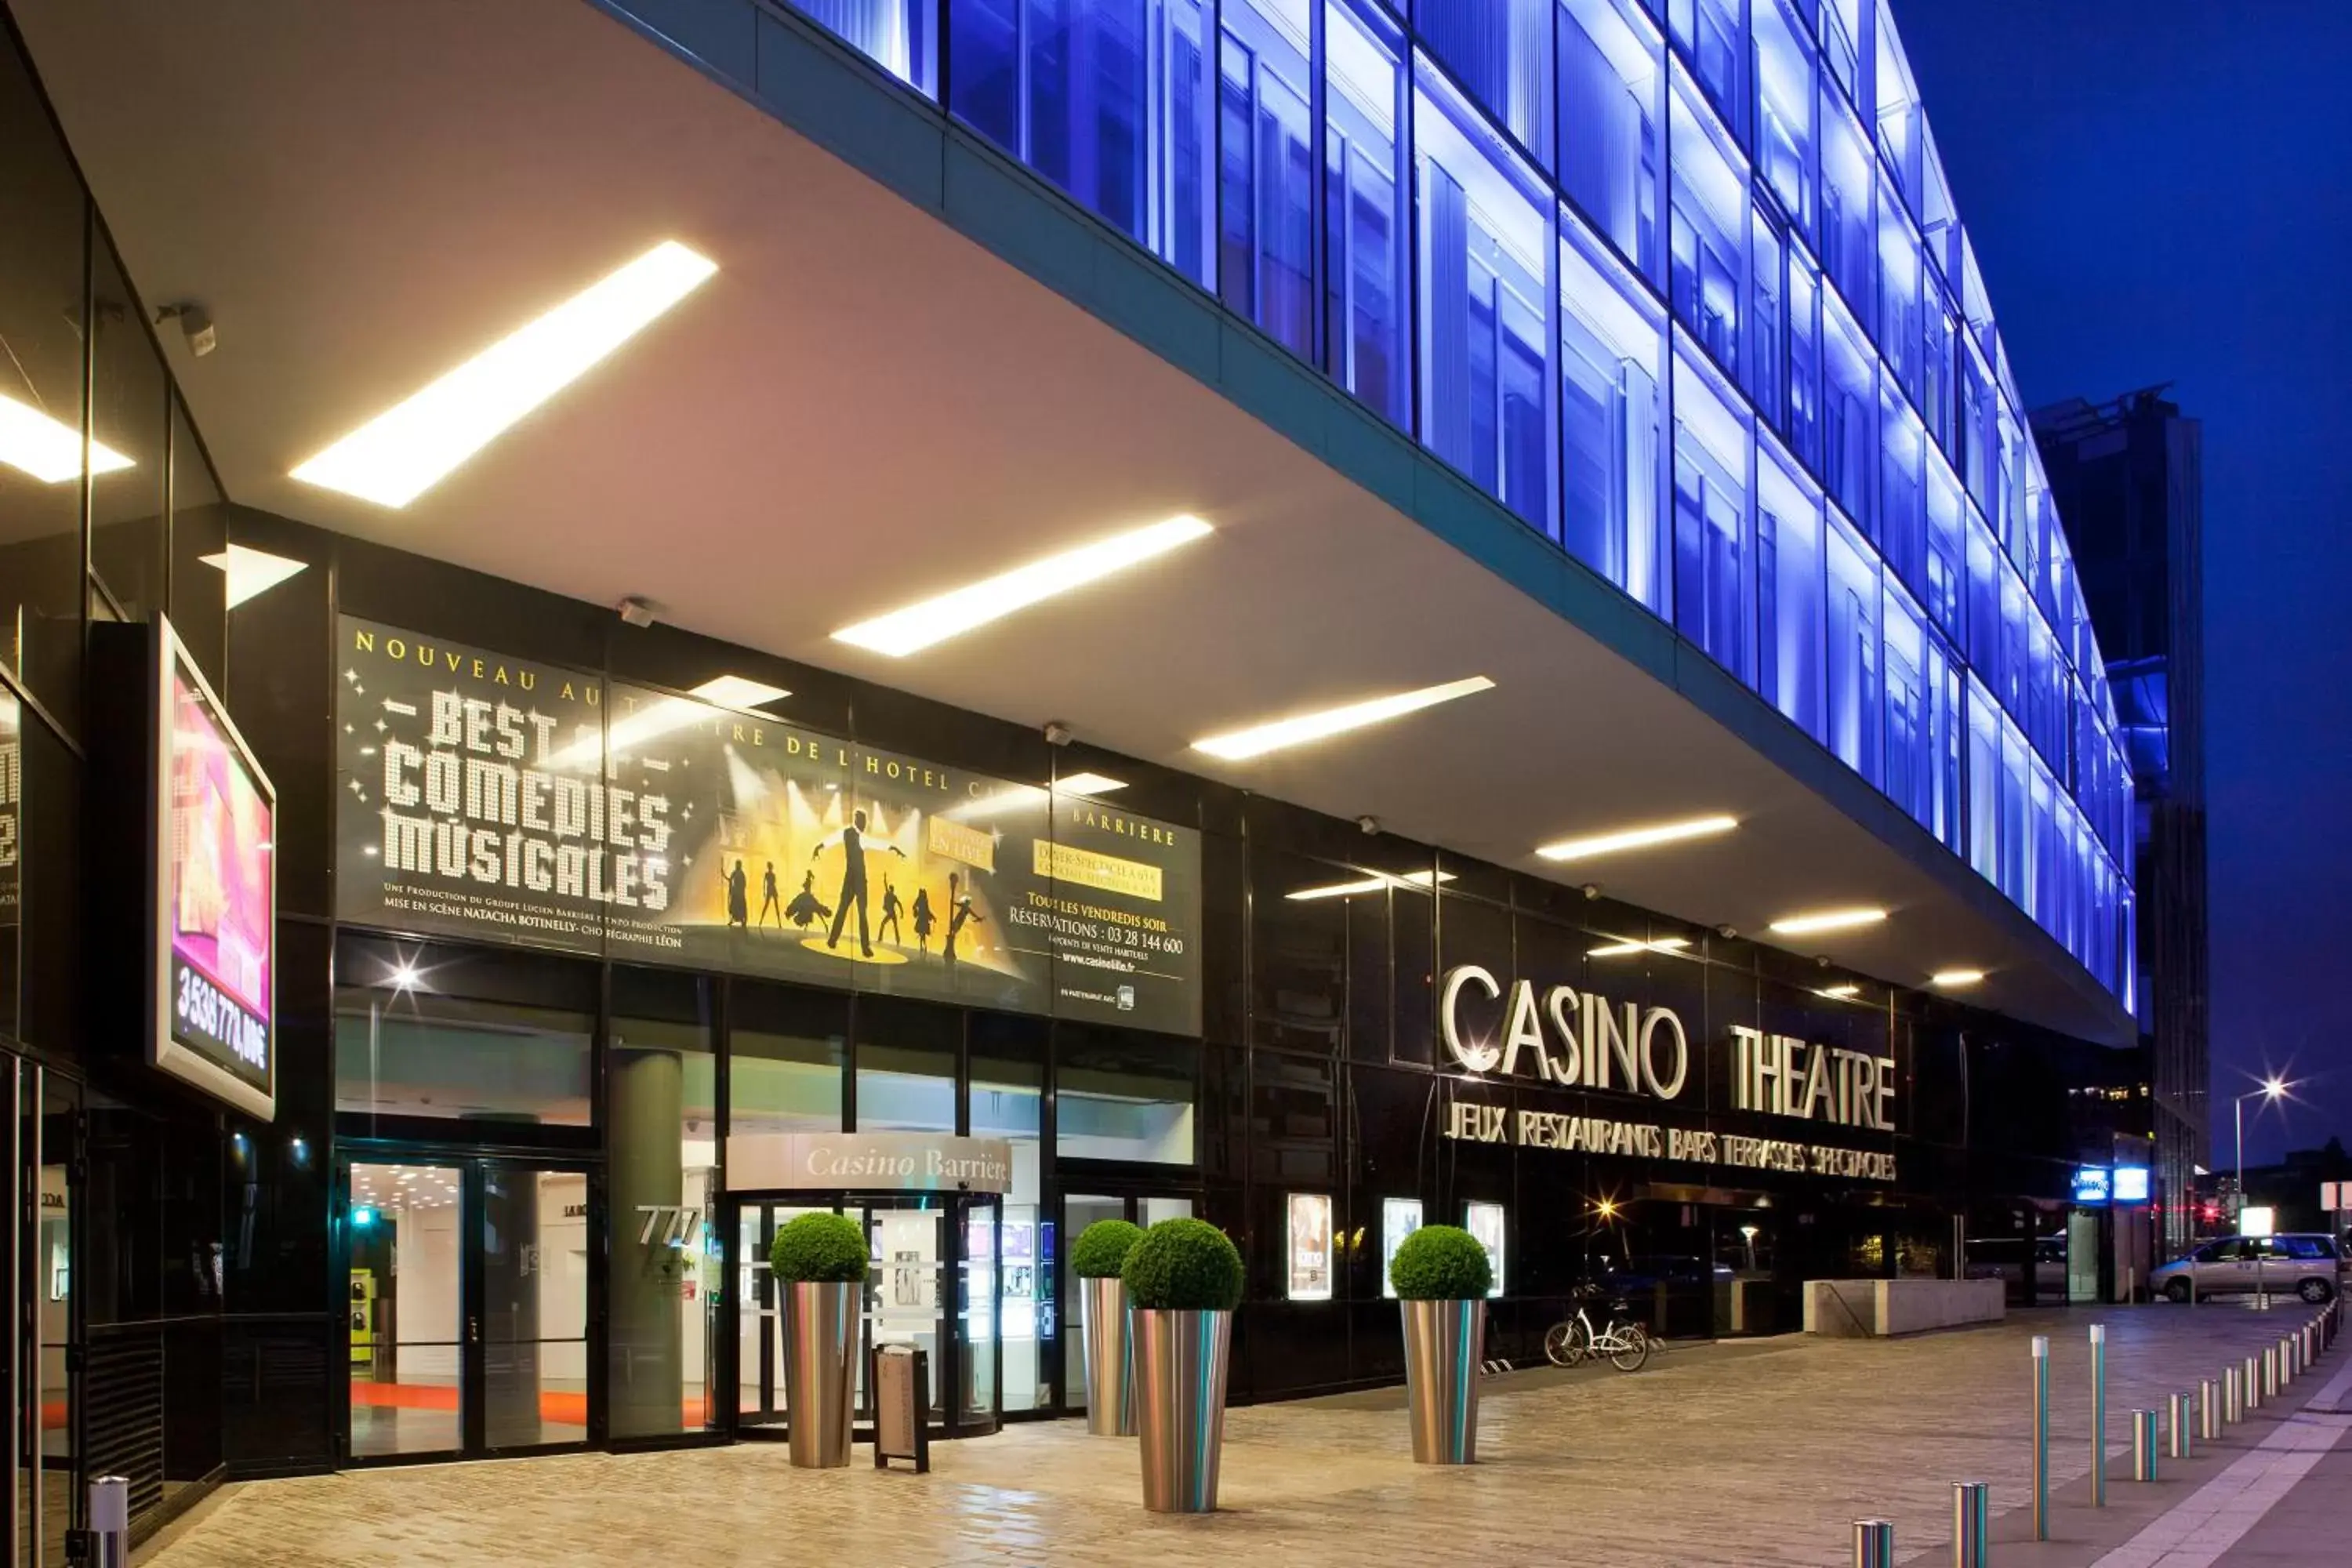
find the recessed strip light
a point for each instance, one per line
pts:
(1956, 977)
(739, 691)
(1637, 837)
(1424, 879)
(51, 452)
(398, 455)
(1299, 730)
(1088, 784)
(1624, 949)
(918, 626)
(251, 572)
(1827, 920)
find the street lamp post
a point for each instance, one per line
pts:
(2270, 1090)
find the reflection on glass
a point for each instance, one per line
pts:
(534, 1273)
(1611, 354)
(1485, 1221)
(1363, 142)
(444, 1034)
(404, 1307)
(1399, 1217)
(1080, 1211)
(1310, 1248)
(1267, 266)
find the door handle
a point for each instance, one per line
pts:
(474, 1331)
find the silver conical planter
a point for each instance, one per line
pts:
(1181, 1360)
(1443, 1343)
(820, 1330)
(1109, 1358)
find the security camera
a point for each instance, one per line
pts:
(1727, 934)
(1371, 825)
(637, 612)
(195, 325)
(1822, 959)
(1058, 733)
(1590, 889)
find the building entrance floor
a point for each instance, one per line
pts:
(1759, 1452)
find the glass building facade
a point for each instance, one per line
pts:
(1678, 282)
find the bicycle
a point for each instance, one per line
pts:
(1623, 1342)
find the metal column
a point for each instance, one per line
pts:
(2143, 1425)
(2177, 1441)
(1971, 1524)
(2098, 1415)
(2041, 1436)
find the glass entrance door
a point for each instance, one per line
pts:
(930, 1282)
(38, 1509)
(467, 1303)
(1080, 1210)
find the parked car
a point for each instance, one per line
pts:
(2238, 1265)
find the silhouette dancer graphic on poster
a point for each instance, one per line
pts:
(851, 840)
(889, 930)
(960, 910)
(768, 896)
(737, 906)
(804, 911)
(923, 921)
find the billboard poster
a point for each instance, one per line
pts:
(216, 894)
(488, 797)
(11, 792)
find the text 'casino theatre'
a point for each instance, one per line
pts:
(1343, 618)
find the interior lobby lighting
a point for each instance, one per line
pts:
(918, 626)
(739, 691)
(1302, 727)
(1088, 784)
(1624, 949)
(251, 572)
(1637, 837)
(398, 455)
(1841, 992)
(51, 452)
(1372, 885)
(1827, 920)
(1950, 977)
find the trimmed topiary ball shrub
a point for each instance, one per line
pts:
(1102, 1249)
(822, 1248)
(1440, 1263)
(1184, 1265)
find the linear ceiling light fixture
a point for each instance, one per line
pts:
(917, 627)
(1420, 880)
(1956, 977)
(1841, 992)
(1637, 837)
(51, 452)
(1302, 727)
(405, 450)
(739, 691)
(1827, 920)
(251, 572)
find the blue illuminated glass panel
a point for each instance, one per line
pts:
(1110, 100)
(1266, 263)
(1612, 358)
(1367, 308)
(1849, 412)
(1855, 690)
(1848, 236)
(1708, 246)
(1804, 317)
(1948, 548)
(1613, 139)
(1789, 586)
(902, 36)
(1787, 95)
(1485, 340)
(1713, 590)
(1711, 31)
(1902, 490)
(1502, 51)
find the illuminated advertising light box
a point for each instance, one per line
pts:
(2093, 1184)
(2131, 1184)
(216, 893)
(1310, 1246)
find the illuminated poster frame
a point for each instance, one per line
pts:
(1310, 1246)
(196, 1017)
(1485, 1221)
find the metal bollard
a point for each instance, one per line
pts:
(2208, 1411)
(1874, 1543)
(2177, 1440)
(2143, 1424)
(1971, 1524)
(109, 1521)
(2098, 1415)
(2233, 1395)
(2270, 1371)
(2041, 1436)
(2254, 1382)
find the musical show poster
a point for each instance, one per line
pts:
(488, 797)
(218, 887)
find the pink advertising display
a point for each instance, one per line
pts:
(215, 895)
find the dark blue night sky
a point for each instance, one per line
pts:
(2161, 190)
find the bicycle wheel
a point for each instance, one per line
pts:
(1564, 1343)
(1636, 1351)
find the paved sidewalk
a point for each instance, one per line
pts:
(1752, 1453)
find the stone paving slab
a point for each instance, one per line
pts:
(1755, 1453)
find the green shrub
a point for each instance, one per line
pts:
(1184, 1265)
(1102, 1249)
(1440, 1263)
(828, 1248)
